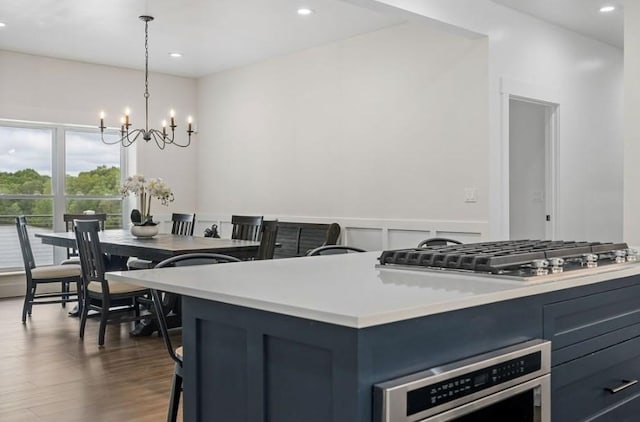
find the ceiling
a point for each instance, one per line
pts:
(212, 35)
(581, 16)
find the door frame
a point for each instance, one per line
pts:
(515, 90)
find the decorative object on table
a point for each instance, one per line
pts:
(212, 232)
(145, 190)
(161, 137)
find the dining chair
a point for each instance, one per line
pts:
(246, 227)
(268, 234)
(72, 253)
(333, 250)
(160, 309)
(182, 224)
(63, 274)
(438, 241)
(110, 299)
(333, 233)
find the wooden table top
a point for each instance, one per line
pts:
(122, 243)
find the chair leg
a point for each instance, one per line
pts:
(84, 313)
(104, 316)
(174, 402)
(65, 297)
(136, 307)
(80, 296)
(25, 307)
(103, 325)
(31, 298)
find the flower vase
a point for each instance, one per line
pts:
(144, 232)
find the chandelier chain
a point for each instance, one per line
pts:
(146, 73)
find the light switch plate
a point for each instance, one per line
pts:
(470, 195)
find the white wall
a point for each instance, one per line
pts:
(632, 122)
(43, 89)
(585, 76)
(389, 125)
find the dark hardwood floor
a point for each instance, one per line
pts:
(48, 374)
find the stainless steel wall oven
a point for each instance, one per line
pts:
(510, 384)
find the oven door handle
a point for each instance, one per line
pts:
(625, 384)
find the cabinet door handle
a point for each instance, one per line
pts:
(625, 384)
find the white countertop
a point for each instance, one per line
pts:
(347, 289)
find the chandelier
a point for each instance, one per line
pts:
(162, 138)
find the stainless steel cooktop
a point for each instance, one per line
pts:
(524, 260)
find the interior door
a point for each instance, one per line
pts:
(528, 129)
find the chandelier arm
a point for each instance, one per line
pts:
(130, 141)
(158, 138)
(108, 142)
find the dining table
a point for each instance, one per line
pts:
(119, 245)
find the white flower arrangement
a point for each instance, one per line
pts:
(145, 190)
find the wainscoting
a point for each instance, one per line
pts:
(371, 234)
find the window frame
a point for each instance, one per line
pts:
(58, 172)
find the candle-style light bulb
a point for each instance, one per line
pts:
(102, 120)
(189, 120)
(164, 128)
(172, 114)
(127, 111)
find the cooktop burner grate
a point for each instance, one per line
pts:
(505, 256)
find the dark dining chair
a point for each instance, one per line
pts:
(334, 250)
(333, 233)
(72, 253)
(268, 234)
(110, 299)
(438, 241)
(160, 308)
(182, 224)
(246, 227)
(63, 274)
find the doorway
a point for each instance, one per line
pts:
(531, 169)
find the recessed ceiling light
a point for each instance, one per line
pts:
(304, 11)
(607, 9)
(175, 55)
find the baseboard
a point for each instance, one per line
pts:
(12, 284)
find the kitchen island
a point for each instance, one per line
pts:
(307, 338)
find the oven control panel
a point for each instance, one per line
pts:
(418, 396)
(454, 388)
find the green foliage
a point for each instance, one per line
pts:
(27, 182)
(102, 180)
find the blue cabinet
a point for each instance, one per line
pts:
(244, 364)
(596, 354)
(596, 383)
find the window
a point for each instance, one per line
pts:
(92, 177)
(49, 170)
(25, 188)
